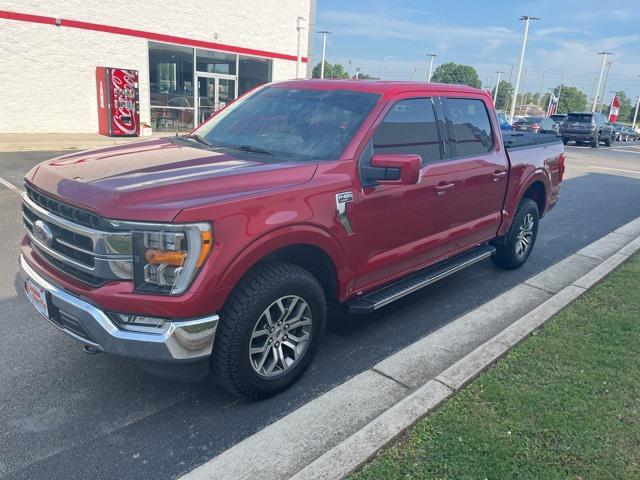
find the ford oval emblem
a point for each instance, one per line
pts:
(42, 232)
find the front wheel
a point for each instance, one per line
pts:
(515, 248)
(565, 141)
(269, 331)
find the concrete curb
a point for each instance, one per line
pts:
(339, 431)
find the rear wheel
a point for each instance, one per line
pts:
(515, 248)
(270, 329)
(595, 141)
(608, 141)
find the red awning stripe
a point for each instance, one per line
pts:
(160, 37)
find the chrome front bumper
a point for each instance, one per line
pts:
(184, 341)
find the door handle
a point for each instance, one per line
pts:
(443, 188)
(498, 174)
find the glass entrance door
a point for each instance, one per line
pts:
(214, 92)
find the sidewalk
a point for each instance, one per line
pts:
(18, 142)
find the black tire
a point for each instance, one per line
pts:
(255, 293)
(595, 141)
(506, 255)
(608, 142)
(565, 141)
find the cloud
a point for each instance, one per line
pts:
(380, 25)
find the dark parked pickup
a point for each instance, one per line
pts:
(591, 127)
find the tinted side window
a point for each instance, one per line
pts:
(409, 128)
(471, 126)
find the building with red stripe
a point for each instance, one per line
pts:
(192, 58)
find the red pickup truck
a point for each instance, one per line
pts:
(224, 249)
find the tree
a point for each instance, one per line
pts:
(571, 99)
(366, 76)
(330, 71)
(505, 92)
(456, 73)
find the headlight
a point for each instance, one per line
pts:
(166, 258)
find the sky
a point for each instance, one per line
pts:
(393, 36)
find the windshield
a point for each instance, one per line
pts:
(557, 118)
(577, 117)
(295, 123)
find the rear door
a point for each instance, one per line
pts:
(479, 171)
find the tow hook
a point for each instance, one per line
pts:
(91, 350)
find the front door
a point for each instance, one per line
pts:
(214, 93)
(403, 227)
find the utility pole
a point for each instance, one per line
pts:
(432, 55)
(560, 89)
(357, 73)
(415, 70)
(324, 49)
(495, 92)
(299, 28)
(526, 19)
(540, 90)
(606, 79)
(604, 59)
(384, 64)
(524, 90)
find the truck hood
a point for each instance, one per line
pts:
(154, 180)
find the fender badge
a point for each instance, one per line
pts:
(342, 199)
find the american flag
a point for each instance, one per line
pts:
(553, 105)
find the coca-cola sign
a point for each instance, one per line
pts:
(124, 102)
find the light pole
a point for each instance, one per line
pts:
(432, 55)
(606, 79)
(299, 28)
(526, 19)
(495, 92)
(324, 49)
(595, 99)
(357, 73)
(635, 115)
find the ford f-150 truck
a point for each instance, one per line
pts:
(224, 249)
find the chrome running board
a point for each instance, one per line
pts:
(369, 302)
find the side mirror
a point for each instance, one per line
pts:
(393, 169)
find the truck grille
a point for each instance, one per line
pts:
(80, 243)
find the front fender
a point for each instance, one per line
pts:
(282, 237)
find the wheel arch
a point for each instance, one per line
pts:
(310, 248)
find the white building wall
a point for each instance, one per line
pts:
(48, 72)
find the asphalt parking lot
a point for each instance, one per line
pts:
(64, 414)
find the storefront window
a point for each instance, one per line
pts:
(215, 62)
(253, 72)
(171, 85)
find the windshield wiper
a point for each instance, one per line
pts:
(199, 139)
(252, 149)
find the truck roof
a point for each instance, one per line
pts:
(378, 86)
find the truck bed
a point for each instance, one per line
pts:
(519, 140)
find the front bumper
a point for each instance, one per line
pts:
(180, 351)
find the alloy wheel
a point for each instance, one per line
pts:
(280, 336)
(524, 239)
